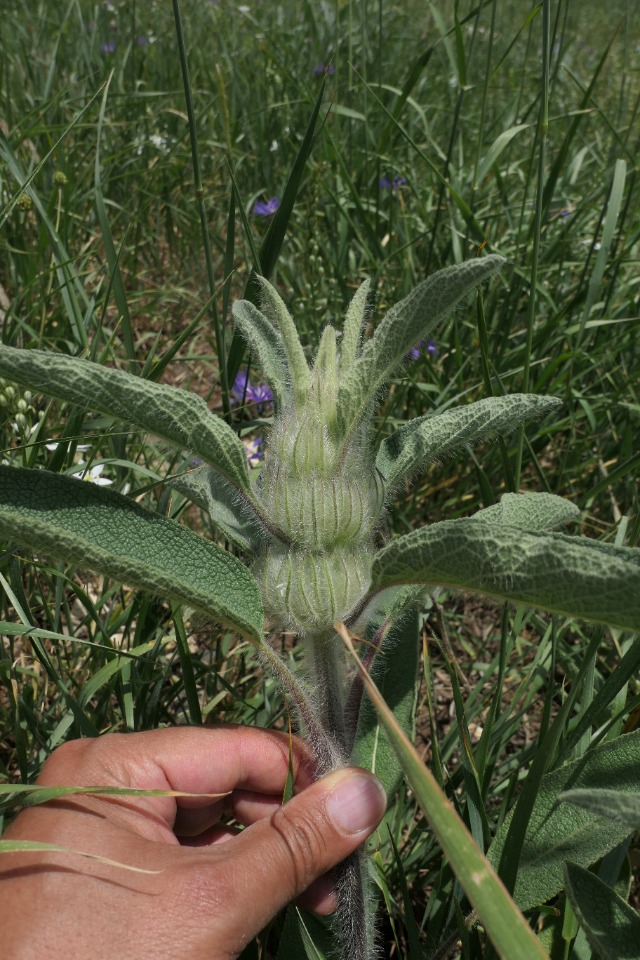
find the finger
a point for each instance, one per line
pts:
(209, 760)
(300, 842)
(211, 837)
(245, 806)
(321, 897)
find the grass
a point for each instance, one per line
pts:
(101, 250)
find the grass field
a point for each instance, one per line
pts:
(440, 134)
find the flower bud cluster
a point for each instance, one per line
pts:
(18, 408)
(327, 504)
(314, 499)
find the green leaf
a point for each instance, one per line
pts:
(90, 526)
(265, 261)
(32, 794)
(353, 324)
(573, 576)
(529, 511)
(611, 925)
(177, 416)
(394, 672)
(266, 343)
(558, 830)
(404, 325)
(233, 517)
(622, 808)
(69, 284)
(426, 438)
(113, 258)
(505, 925)
(274, 306)
(35, 846)
(274, 238)
(500, 143)
(304, 935)
(614, 206)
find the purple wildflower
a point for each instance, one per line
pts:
(414, 354)
(108, 47)
(394, 183)
(260, 394)
(240, 386)
(242, 390)
(254, 452)
(322, 69)
(267, 209)
(142, 41)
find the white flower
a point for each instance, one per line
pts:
(160, 142)
(93, 475)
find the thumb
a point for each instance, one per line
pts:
(277, 858)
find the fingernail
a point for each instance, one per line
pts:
(357, 804)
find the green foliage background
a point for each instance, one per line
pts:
(101, 250)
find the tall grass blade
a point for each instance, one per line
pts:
(505, 925)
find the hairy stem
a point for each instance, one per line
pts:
(327, 668)
(328, 757)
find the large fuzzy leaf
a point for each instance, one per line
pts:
(231, 514)
(611, 925)
(353, 325)
(403, 326)
(569, 575)
(266, 343)
(623, 808)
(89, 526)
(529, 511)
(177, 416)
(559, 831)
(275, 308)
(426, 438)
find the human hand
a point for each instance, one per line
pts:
(216, 887)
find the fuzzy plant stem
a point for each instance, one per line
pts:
(327, 754)
(327, 671)
(321, 714)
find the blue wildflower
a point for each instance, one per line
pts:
(414, 354)
(108, 47)
(324, 69)
(254, 451)
(262, 209)
(243, 391)
(394, 183)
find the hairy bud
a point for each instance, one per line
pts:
(304, 590)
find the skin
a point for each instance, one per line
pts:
(214, 887)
